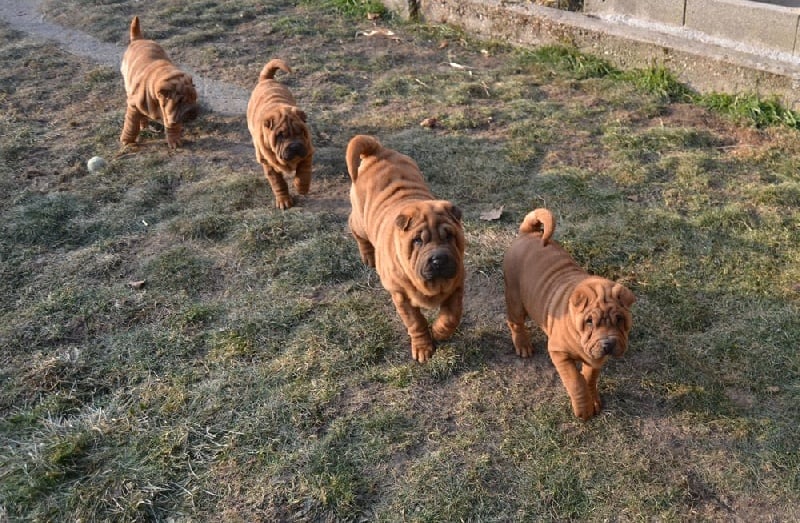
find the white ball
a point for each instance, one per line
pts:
(96, 163)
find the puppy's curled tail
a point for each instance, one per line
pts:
(136, 30)
(539, 222)
(360, 145)
(268, 72)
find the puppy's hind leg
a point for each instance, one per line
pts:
(516, 315)
(132, 125)
(365, 247)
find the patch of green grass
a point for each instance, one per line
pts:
(101, 76)
(19, 142)
(659, 81)
(208, 225)
(747, 107)
(357, 8)
(662, 83)
(750, 108)
(181, 269)
(657, 141)
(50, 220)
(581, 65)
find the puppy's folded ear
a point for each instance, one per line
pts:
(300, 113)
(580, 298)
(269, 123)
(623, 295)
(403, 221)
(455, 212)
(450, 209)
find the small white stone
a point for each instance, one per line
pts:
(96, 164)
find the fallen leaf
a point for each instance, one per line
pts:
(430, 123)
(373, 16)
(457, 66)
(376, 32)
(136, 284)
(492, 215)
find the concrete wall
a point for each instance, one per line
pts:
(661, 11)
(759, 24)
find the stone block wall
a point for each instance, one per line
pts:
(771, 25)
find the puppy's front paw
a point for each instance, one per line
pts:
(521, 340)
(283, 202)
(585, 410)
(421, 351)
(174, 138)
(524, 350)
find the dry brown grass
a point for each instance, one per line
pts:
(261, 374)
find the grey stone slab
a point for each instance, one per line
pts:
(753, 23)
(663, 11)
(784, 3)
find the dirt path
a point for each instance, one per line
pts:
(26, 16)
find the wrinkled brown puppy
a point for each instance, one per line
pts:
(157, 90)
(280, 134)
(586, 318)
(415, 242)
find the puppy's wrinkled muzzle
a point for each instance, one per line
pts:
(189, 113)
(608, 346)
(441, 265)
(294, 150)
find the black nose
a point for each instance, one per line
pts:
(294, 150)
(608, 345)
(441, 265)
(438, 260)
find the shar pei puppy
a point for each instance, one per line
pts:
(414, 241)
(156, 89)
(280, 134)
(586, 318)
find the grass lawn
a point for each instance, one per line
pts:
(173, 348)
